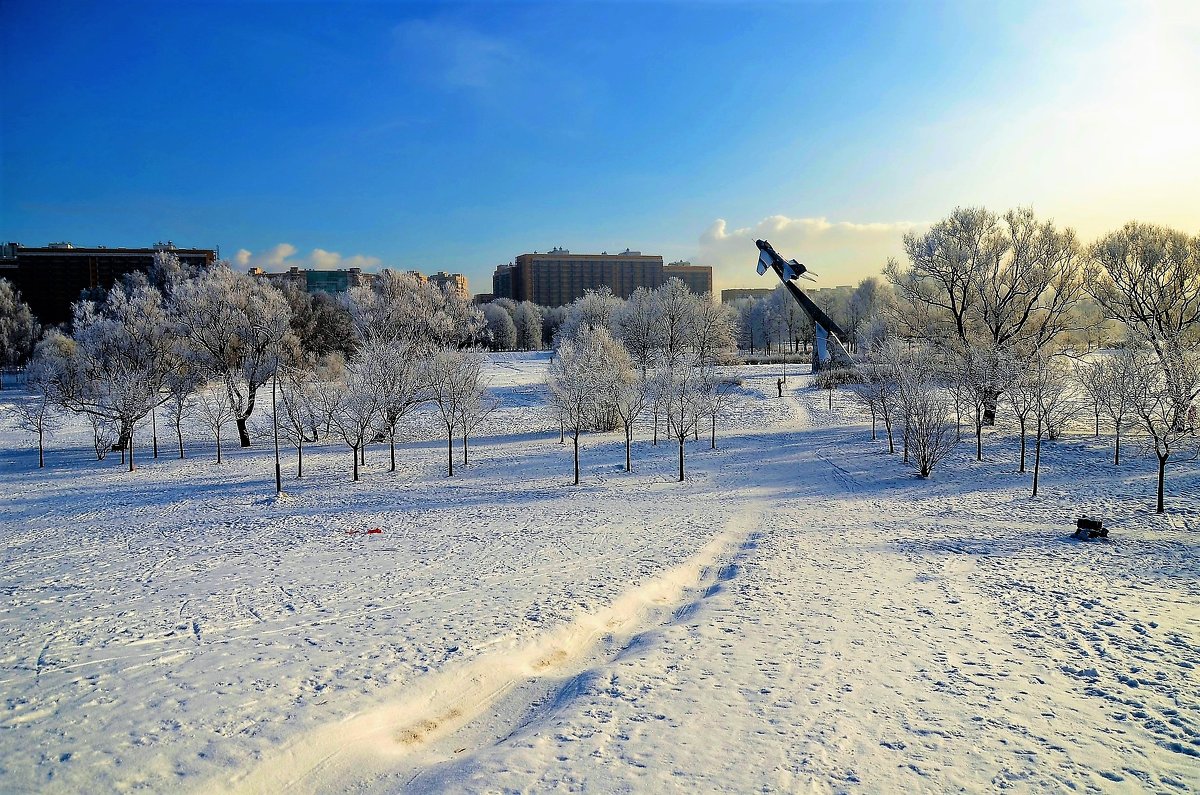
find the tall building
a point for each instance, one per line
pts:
(455, 282)
(314, 281)
(51, 277)
(559, 277)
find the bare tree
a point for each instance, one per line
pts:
(38, 412)
(181, 385)
(450, 376)
(926, 409)
(584, 379)
(300, 410)
(214, 412)
(358, 403)
(637, 328)
(1118, 395)
(1091, 378)
(682, 397)
(717, 393)
(475, 404)
(1168, 421)
(1053, 404)
(630, 401)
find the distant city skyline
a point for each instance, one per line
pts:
(456, 136)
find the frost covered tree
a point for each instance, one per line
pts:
(637, 328)
(714, 332)
(502, 332)
(212, 409)
(320, 323)
(584, 379)
(927, 410)
(1090, 377)
(19, 329)
(1001, 284)
(594, 309)
(452, 376)
(1118, 394)
(236, 329)
(475, 404)
(1148, 278)
(358, 403)
(401, 382)
(1164, 411)
(1053, 404)
(717, 394)
(675, 311)
(117, 360)
(401, 307)
(38, 413)
(630, 399)
(682, 394)
(527, 318)
(181, 385)
(300, 414)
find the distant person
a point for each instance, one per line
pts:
(779, 386)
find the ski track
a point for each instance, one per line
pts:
(830, 622)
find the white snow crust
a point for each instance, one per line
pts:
(801, 614)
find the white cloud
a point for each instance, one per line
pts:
(838, 252)
(283, 256)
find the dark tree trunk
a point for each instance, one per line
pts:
(681, 440)
(1022, 469)
(450, 450)
(464, 448)
(713, 445)
(218, 444)
(300, 460)
(1097, 422)
(130, 448)
(1117, 453)
(354, 455)
(628, 444)
(575, 436)
(989, 409)
(887, 423)
(41, 449)
(392, 445)
(1037, 459)
(154, 432)
(243, 433)
(1162, 478)
(179, 433)
(655, 426)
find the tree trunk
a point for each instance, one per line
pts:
(354, 456)
(179, 433)
(979, 420)
(1097, 422)
(464, 448)
(656, 426)
(887, 423)
(130, 448)
(243, 433)
(450, 450)
(874, 435)
(681, 458)
(41, 449)
(1162, 477)
(576, 439)
(218, 444)
(300, 460)
(1022, 469)
(1117, 454)
(989, 409)
(713, 445)
(362, 452)
(392, 445)
(628, 444)
(154, 425)
(1037, 458)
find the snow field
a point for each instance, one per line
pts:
(801, 614)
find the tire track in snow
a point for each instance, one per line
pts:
(421, 727)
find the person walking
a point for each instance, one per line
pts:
(779, 386)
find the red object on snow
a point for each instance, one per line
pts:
(373, 531)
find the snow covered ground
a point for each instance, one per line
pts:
(800, 614)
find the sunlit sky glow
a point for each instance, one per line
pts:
(454, 137)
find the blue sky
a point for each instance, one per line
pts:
(439, 136)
